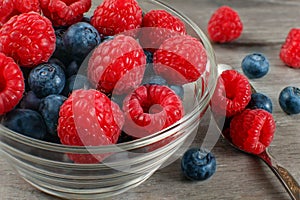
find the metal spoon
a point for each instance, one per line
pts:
(287, 180)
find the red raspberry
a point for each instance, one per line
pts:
(224, 25)
(65, 12)
(24, 6)
(159, 25)
(117, 65)
(180, 59)
(6, 10)
(232, 93)
(11, 84)
(252, 130)
(116, 16)
(28, 38)
(290, 50)
(89, 118)
(151, 108)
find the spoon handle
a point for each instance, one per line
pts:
(289, 182)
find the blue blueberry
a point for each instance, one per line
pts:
(197, 164)
(124, 138)
(72, 69)
(61, 52)
(86, 19)
(154, 80)
(80, 39)
(261, 101)
(289, 100)
(76, 82)
(46, 79)
(118, 99)
(57, 62)
(149, 56)
(30, 101)
(49, 109)
(26, 122)
(107, 38)
(178, 89)
(255, 65)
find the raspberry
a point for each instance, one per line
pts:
(116, 16)
(232, 93)
(11, 84)
(65, 12)
(159, 25)
(117, 65)
(180, 59)
(28, 38)
(224, 25)
(290, 50)
(151, 108)
(24, 6)
(89, 118)
(252, 130)
(6, 10)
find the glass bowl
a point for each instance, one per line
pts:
(47, 166)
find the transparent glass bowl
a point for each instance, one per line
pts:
(47, 167)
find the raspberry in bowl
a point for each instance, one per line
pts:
(93, 152)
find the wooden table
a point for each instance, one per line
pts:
(238, 176)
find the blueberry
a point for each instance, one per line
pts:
(76, 82)
(30, 101)
(261, 101)
(197, 164)
(46, 79)
(124, 138)
(107, 38)
(178, 89)
(86, 19)
(26, 122)
(255, 65)
(149, 56)
(57, 62)
(61, 52)
(118, 99)
(289, 100)
(154, 80)
(72, 69)
(49, 109)
(80, 39)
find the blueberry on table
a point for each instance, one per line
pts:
(259, 100)
(255, 65)
(76, 82)
(289, 100)
(61, 52)
(198, 164)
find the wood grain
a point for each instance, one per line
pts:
(238, 176)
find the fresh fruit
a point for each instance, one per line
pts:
(46, 79)
(289, 100)
(117, 16)
(76, 82)
(61, 52)
(255, 65)
(151, 108)
(198, 164)
(224, 25)
(11, 84)
(178, 89)
(117, 65)
(290, 50)
(65, 12)
(252, 130)
(80, 39)
(154, 80)
(26, 122)
(259, 100)
(49, 109)
(232, 93)
(28, 38)
(72, 69)
(6, 10)
(30, 101)
(180, 59)
(157, 26)
(24, 6)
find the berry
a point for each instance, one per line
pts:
(252, 130)
(6, 10)
(28, 38)
(24, 6)
(149, 57)
(232, 93)
(198, 164)
(80, 39)
(26, 122)
(30, 101)
(11, 84)
(46, 79)
(118, 99)
(72, 69)
(178, 89)
(290, 50)
(107, 38)
(117, 65)
(159, 25)
(255, 65)
(180, 59)
(259, 100)
(76, 82)
(65, 12)
(289, 100)
(61, 52)
(124, 138)
(154, 80)
(224, 25)
(151, 108)
(116, 16)
(49, 109)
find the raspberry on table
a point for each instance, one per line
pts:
(180, 59)
(116, 16)
(290, 50)
(151, 108)
(28, 38)
(224, 25)
(12, 84)
(252, 130)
